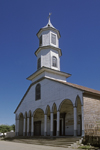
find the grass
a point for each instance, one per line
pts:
(88, 147)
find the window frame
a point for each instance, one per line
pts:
(54, 61)
(38, 92)
(53, 40)
(40, 41)
(39, 63)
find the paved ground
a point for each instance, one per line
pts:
(5, 145)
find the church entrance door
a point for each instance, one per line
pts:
(37, 128)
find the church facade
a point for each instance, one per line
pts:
(52, 106)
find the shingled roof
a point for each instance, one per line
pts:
(85, 89)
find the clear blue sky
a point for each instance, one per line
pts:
(79, 24)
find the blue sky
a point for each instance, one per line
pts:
(79, 24)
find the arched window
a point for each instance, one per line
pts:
(39, 63)
(38, 92)
(40, 41)
(54, 61)
(53, 39)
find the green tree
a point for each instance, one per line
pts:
(13, 127)
(4, 128)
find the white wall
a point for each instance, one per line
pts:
(46, 58)
(51, 91)
(46, 38)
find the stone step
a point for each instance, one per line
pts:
(56, 142)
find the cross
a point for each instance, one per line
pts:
(49, 15)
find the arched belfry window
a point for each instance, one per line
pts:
(38, 92)
(39, 63)
(54, 61)
(53, 39)
(40, 41)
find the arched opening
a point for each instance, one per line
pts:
(29, 123)
(54, 108)
(47, 112)
(39, 122)
(39, 63)
(21, 120)
(79, 116)
(25, 123)
(66, 118)
(38, 92)
(54, 61)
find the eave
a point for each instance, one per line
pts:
(47, 47)
(48, 28)
(43, 69)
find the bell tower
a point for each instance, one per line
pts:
(48, 54)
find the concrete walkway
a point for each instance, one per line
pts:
(5, 145)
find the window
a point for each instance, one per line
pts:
(54, 61)
(40, 41)
(38, 92)
(39, 63)
(53, 39)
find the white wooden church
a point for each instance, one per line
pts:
(51, 106)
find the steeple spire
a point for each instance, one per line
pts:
(49, 18)
(49, 24)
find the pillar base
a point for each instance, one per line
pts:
(51, 133)
(82, 132)
(23, 133)
(57, 133)
(75, 132)
(45, 133)
(32, 133)
(17, 133)
(28, 134)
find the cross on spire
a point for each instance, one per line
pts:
(49, 15)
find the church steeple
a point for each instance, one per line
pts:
(48, 54)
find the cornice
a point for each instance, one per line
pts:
(48, 28)
(47, 47)
(43, 69)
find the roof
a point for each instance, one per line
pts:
(84, 89)
(49, 26)
(48, 47)
(43, 69)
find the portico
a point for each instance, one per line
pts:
(64, 120)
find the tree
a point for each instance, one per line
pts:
(4, 128)
(13, 127)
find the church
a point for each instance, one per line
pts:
(51, 106)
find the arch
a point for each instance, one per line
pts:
(25, 116)
(47, 109)
(78, 105)
(54, 107)
(66, 117)
(38, 122)
(21, 120)
(54, 61)
(37, 110)
(29, 115)
(38, 91)
(78, 100)
(63, 102)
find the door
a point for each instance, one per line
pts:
(54, 127)
(37, 128)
